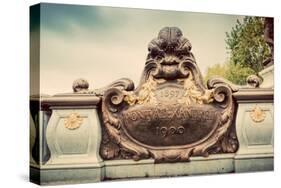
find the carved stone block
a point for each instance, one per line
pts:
(171, 115)
(73, 136)
(255, 128)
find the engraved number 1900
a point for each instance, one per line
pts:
(168, 131)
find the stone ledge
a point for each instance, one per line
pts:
(254, 95)
(129, 169)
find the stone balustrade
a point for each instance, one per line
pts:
(66, 136)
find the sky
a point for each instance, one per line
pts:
(103, 44)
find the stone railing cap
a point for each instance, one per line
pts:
(67, 100)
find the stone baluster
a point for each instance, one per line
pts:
(254, 126)
(73, 137)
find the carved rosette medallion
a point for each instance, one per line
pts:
(73, 121)
(257, 115)
(171, 115)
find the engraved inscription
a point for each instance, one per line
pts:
(166, 131)
(169, 93)
(175, 112)
(167, 125)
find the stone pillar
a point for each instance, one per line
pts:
(268, 77)
(254, 126)
(39, 117)
(32, 137)
(73, 137)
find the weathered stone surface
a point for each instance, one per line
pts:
(171, 115)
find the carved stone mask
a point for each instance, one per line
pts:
(169, 51)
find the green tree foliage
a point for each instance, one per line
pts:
(234, 73)
(247, 44)
(238, 74)
(216, 70)
(247, 48)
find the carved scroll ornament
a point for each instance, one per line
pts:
(171, 115)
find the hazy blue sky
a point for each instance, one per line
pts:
(102, 44)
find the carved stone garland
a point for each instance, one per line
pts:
(171, 115)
